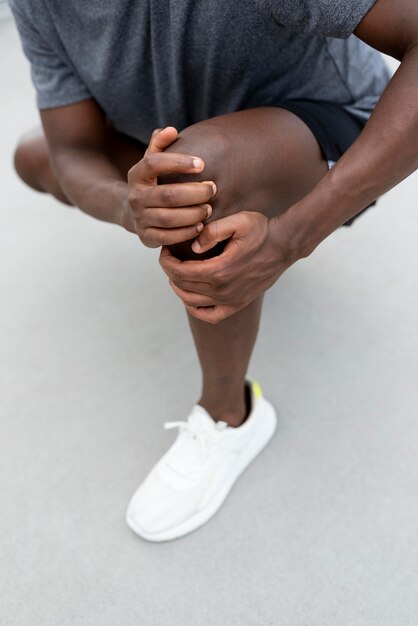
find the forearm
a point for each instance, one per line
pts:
(93, 184)
(385, 153)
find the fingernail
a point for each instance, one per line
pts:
(196, 246)
(197, 163)
(212, 184)
(199, 227)
(209, 210)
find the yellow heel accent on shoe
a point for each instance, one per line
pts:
(256, 389)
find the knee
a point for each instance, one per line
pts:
(209, 142)
(30, 159)
(212, 144)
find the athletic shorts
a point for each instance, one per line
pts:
(335, 129)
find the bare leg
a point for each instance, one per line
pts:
(224, 352)
(32, 163)
(275, 146)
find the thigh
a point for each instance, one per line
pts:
(263, 159)
(122, 150)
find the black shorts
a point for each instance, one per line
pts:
(335, 129)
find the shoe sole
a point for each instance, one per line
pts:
(204, 515)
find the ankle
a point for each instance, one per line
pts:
(234, 413)
(233, 416)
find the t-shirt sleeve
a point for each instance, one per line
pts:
(55, 81)
(326, 18)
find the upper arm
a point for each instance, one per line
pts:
(71, 119)
(80, 126)
(391, 27)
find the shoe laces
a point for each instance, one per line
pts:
(196, 436)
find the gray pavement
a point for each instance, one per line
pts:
(322, 530)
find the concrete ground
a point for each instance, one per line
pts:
(322, 530)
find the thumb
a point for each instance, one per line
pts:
(215, 232)
(161, 138)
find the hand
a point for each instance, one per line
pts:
(256, 254)
(166, 214)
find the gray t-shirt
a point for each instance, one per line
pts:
(152, 63)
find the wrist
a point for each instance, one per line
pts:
(311, 220)
(286, 239)
(308, 222)
(122, 207)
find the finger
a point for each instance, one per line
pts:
(211, 315)
(200, 271)
(205, 289)
(169, 263)
(161, 138)
(177, 194)
(155, 237)
(175, 218)
(157, 164)
(192, 299)
(217, 231)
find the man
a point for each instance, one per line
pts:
(271, 98)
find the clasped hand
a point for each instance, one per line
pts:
(212, 289)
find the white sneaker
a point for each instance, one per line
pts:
(191, 481)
